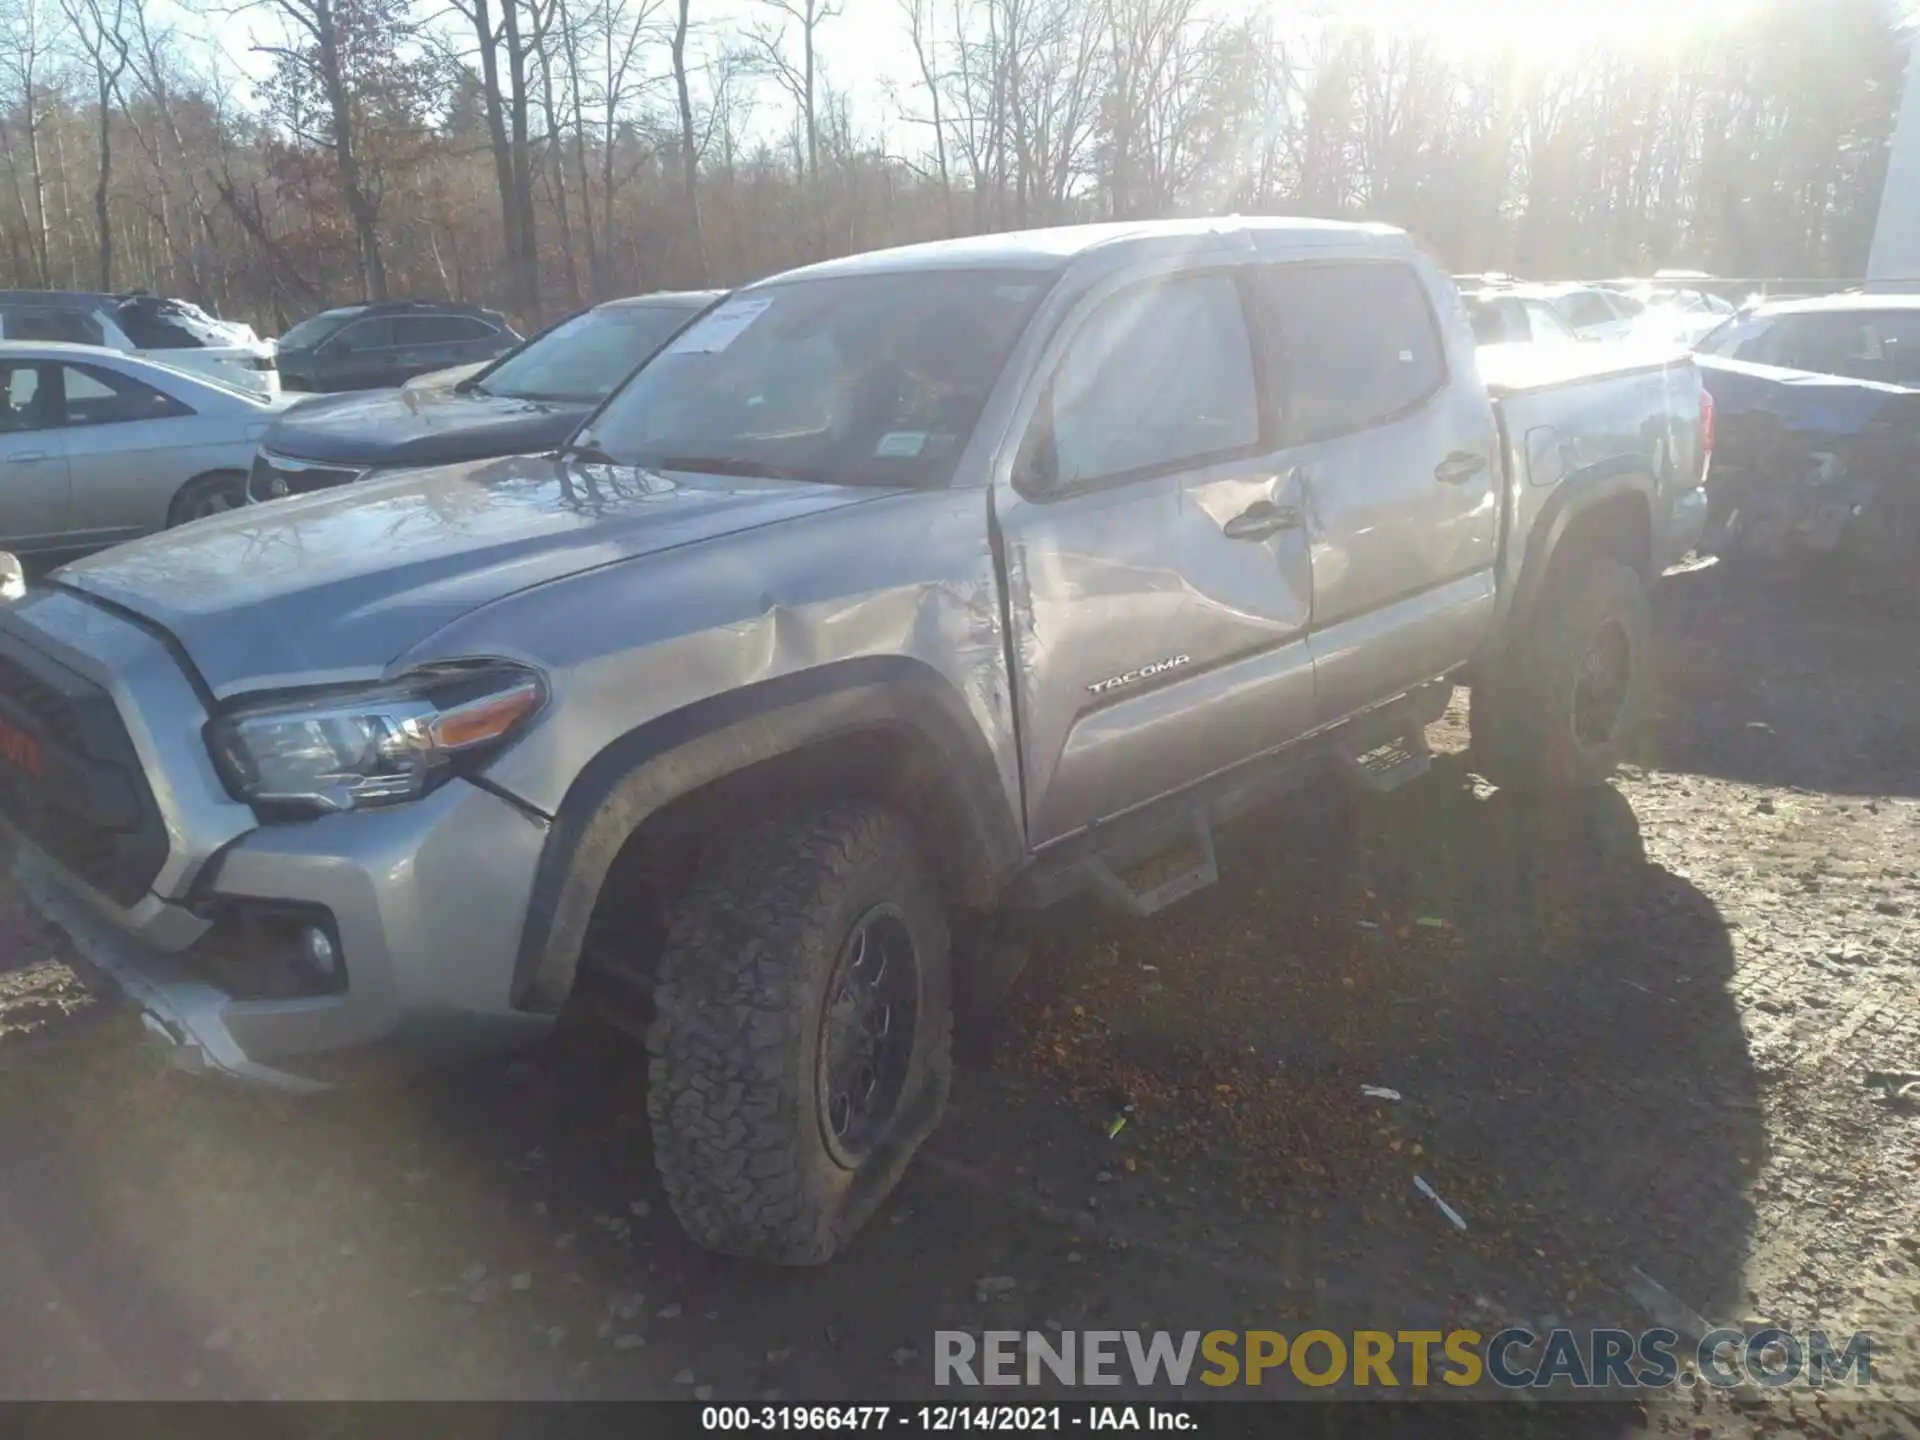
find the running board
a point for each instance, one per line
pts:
(1117, 890)
(1389, 766)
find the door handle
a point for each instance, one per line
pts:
(25, 457)
(1459, 467)
(1261, 519)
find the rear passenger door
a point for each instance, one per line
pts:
(1156, 564)
(360, 356)
(1398, 464)
(125, 452)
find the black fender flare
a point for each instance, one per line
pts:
(1579, 494)
(677, 754)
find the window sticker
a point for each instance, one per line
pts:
(900, 445)
(720, 329)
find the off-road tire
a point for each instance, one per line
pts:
(739, 996)
(197, 499)
(1523, 716)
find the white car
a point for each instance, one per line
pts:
(97, 447)
(1593, 312)
(1515, 317)
(172, 332)
(1679, 314)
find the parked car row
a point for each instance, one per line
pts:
(1819, 404)
(173, 331)
(100, 446)
(888, 593)
(531, 399)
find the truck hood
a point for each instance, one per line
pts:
(333, 586)
(422, 426)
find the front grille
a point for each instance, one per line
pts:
(73, 785)
(274, 477)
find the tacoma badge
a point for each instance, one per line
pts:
(1158, 667)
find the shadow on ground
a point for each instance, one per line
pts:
(1773, 676)
(1573, 1077)
(1556, 1007)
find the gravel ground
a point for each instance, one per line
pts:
(1648, 1032)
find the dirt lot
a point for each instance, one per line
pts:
(1635, 1034)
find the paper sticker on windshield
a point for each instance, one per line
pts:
(900, 445)
(721, 328)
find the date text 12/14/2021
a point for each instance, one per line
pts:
(940, 1419)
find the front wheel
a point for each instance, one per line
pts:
(1564, 710)
(207, 495)
(802, 1035)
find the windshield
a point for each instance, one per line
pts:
(584, 358)
(860, 379)
(316, 328)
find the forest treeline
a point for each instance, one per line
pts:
(539, 154)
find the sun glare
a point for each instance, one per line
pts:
(1551, 34)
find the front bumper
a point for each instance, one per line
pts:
(428, 901)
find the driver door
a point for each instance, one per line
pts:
(1156, 557)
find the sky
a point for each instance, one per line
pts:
(865, 52)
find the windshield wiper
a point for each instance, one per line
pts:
(587, 452)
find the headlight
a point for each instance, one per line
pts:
(382, 746)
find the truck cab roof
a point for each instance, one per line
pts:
(1052, 250)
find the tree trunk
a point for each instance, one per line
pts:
(689, 160)
(503, 170)
(528, 286)
(556, 165)
(596, 279)
(101, 182)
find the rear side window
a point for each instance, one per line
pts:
(438, 329)
(1862, 345)
(1354, 344)
(1588, 309)
(101, 397)
(72, 327)
(1159, 378)
(1497, 322)
(1545, 324)
(365, 335)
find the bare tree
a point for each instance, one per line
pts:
(100, 28)
(768, 40)
(689, 152)
(919, 16)
(24, 61)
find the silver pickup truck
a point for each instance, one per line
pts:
(897, 590)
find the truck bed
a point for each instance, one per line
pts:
(1519, 369)
(1601, 413)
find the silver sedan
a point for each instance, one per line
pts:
(98, 447)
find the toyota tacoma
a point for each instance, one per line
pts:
(895, 591)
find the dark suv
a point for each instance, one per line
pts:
(363, 347)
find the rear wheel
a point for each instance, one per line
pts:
(1564, 710)
(208, 495)
(802, 1034)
